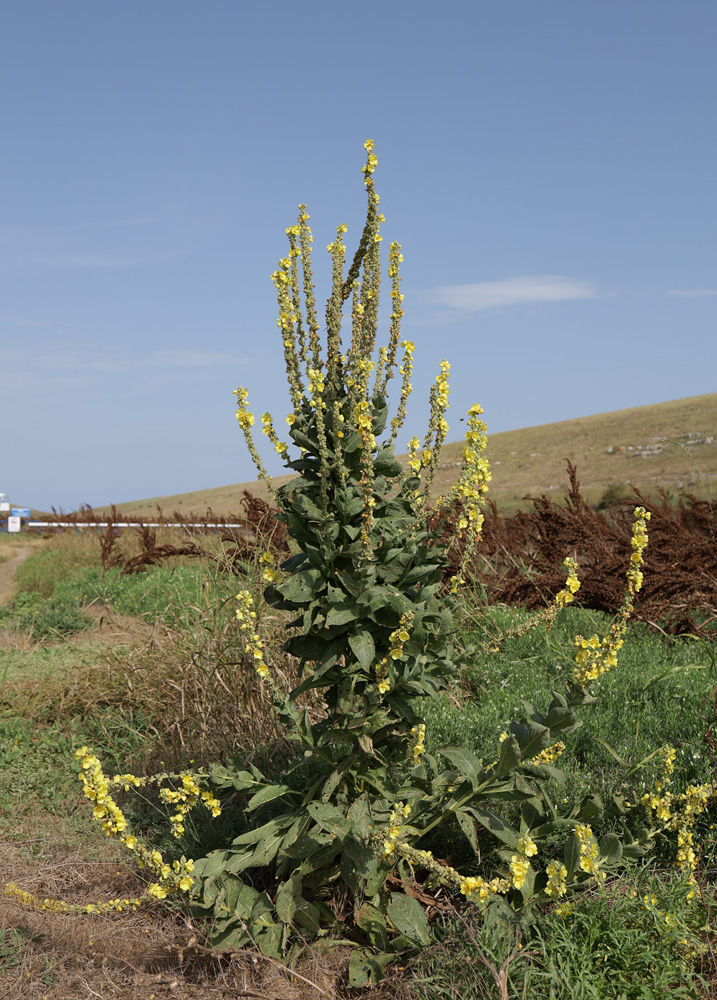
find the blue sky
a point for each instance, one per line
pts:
(547, 167)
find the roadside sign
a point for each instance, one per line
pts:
(4, 507)
(14, 523)
(20, 511)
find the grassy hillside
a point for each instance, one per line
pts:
(673, 445)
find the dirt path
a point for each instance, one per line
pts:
(7, 572)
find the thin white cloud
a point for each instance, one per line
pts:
(191, 359)
(692, 293)
(91, 260)
(17, 320)
(82, 364)
(526, 290)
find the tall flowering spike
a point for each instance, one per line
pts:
(437, 427)
(354, 355)
(595, 656)
(337, 249)
(246, 422)
(395, 257)
(469, 490)
(286, 323)
(370, 288)
(368, 254)
(338, 425)
(294, 233)
(317, 385)
(364, 422)
(305, 240)
(405, 371)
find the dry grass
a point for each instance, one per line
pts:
(644, 446)
(132, 954)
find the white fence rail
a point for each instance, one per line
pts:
(127, 524)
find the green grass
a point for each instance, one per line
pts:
(56, 562)
(611, 945)
(171, 595)
(654, 696)
(43, 618)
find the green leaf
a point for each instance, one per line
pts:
(465, 762)
(264, 852)
(408, 916)
(509, 757)
(234, 938)
(363, 857)
(300, 587)
(467, 825)
(613, 753)
(214, 864)
(329, 818)
(235, 897)
(279, 823)
(288, 898)
(531, 737)
(591, 807)
(373, 923)
(363, 648)
(571, 855)
(340, 614)
(270, 941)
(359, 817)
(366, 968)
(497, 826)
(611, 848)
(268, 794)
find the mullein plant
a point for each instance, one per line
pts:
(375, 632)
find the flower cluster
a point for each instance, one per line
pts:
(572, 584)
(253, 644)
(544, 615)
(116, 905)
(270, 571)
(520, 863)
(477, 890)
(473, 887)
(395, 828)
(184, 799)
(419, 746)
(549, 755)
(678, 812)
(589, 852)
(371, 162)
(244, 416)
(397, 639)
(557, 876)
(437, 426)
(638, 543)
(267, 425)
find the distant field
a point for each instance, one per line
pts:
(671, 445)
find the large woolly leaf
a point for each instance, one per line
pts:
(363, 648)
(408, 916)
